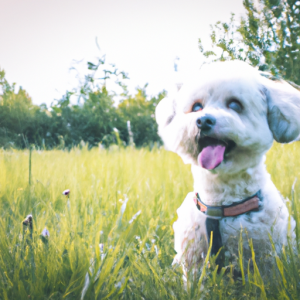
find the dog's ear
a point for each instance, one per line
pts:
(283, 110)
(165, 112)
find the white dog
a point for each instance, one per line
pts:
(223, 123)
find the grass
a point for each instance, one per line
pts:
(108, 190)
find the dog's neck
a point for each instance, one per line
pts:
(225, 189)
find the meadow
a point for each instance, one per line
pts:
(112, 237)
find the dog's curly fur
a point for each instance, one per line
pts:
(270, 110)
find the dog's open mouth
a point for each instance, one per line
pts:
(213, 151)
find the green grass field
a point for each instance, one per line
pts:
(137, 248)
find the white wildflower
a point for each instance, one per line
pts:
(45, 232)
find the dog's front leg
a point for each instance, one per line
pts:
(189, 234)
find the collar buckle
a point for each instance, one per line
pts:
(215, 212)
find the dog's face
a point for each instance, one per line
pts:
(226, 118)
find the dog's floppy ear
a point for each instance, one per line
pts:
(165, 112)
(283, 110)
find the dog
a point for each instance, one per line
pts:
(223, 122)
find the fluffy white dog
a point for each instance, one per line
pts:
(223, 123)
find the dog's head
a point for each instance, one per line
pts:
(226, 119)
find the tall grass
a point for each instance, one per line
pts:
(115, 240)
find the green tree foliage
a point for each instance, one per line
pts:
(268, 37)
(141, 114)
(94, 119)
(21, 122)
(92, 122)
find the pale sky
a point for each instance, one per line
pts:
(39, 39)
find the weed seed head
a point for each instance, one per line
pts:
(66, 192)
(27, 222)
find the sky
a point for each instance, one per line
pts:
(41, 39)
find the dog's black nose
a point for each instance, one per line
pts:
(206, 122)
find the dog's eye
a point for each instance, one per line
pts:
(235, 105)
(197, 106)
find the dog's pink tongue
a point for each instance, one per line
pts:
(211, 156)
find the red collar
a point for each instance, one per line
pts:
(236, 209)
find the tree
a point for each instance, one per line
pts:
(268, 37)
(93, 122)
(20, 120)
(95, 118)
(141, 113)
